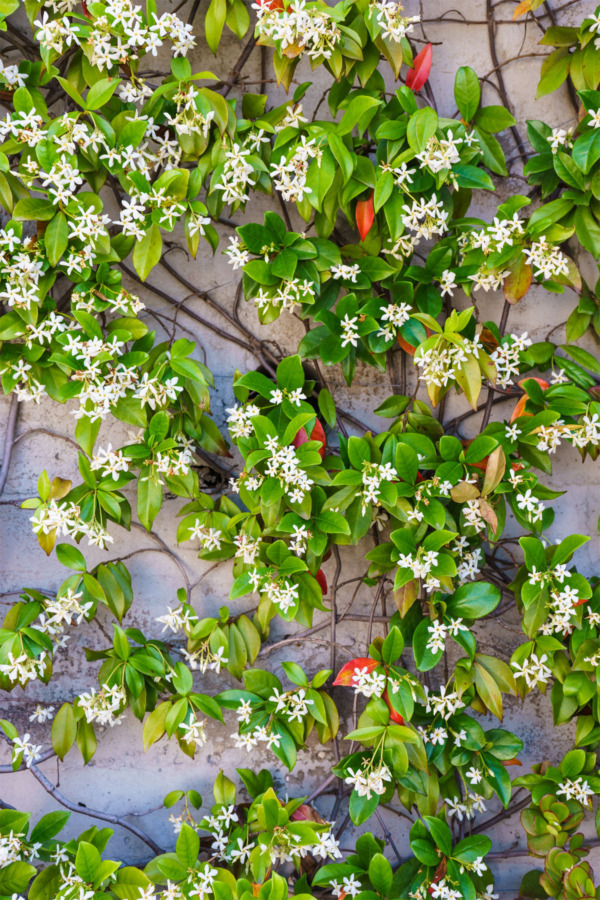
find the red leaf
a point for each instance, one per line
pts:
(365, 216)
(394, 716)
(306, 813)
(418, 75)
(322, 581)
(519, 408)
(317, 434)
(346, 673)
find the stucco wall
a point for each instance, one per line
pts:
(122, 779)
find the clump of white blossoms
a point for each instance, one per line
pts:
(204, 657)
(64, 609)
(22, 669)
(577, 789)
(239, 420)
(420, 564)
(280, 591)
(180, 619)
(350, 886)
(369, 684)
(546, 259)
(439, 631)
(109, 462)
(563, 603)
(289, 175)
(103, 706)
(442, 704)
(426, 218)
(23, 749)
(439, 890)
(284, 465)
(495, 237)
(304, 27)
(235, 180)
(209, 537)
(289, 293)
(394, 315)
(440, 153)
(293, 704)
(472, 803)
(194, 732)
(373, 476)
(469, 559)
(65, 518)
(439, 364)
(348, 273)
(369, 780)
(394, 25)
(533, 670)
(507, 357)
(120, 34)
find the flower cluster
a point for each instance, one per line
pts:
(301, 26)
(103, 706)
(118, 36)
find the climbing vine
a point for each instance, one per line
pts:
(115, 152)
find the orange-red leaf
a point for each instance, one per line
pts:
(365, 216)
(322, 581)
(522, 8)
(306, 813)
(346, 673)
(394, 716)
(520, 407)
(317, 434)
(418, 75)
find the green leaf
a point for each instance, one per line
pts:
(467, 92)
(586, 151)
(421, 126)
(71, 557)
(15, 877)
(188, 846)
(555, 69)
(471, 848)
(441, 834)
(214, 22)
(49, 826)
(587, 230)
(149, 497)
(474, 600)
(472, 177)
(33, 208)
(101, 92)
(147, 251)
(63, 730)
(493, 154)
(128, 883)
(56, 238)
(87, 861)
(494, 118)
(380, 874)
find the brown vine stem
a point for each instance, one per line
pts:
(237, 69)
(8, 769)
(189, 312)
(491, 24)
(490, 401)
(93, 813)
